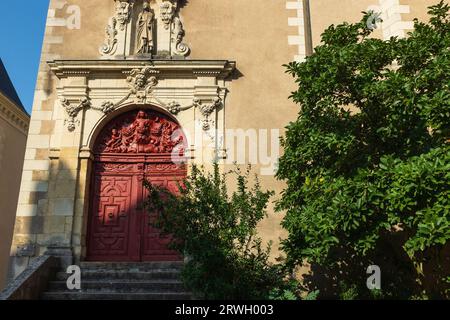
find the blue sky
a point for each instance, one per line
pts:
(21, 32)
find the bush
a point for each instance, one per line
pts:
(218, 234)
(367, 161)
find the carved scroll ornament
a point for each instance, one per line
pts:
(207, 109)
(119, 21)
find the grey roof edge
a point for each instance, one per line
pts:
(7, 88)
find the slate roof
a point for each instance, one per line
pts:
(7, 87)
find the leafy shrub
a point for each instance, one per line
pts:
(217, 232)
(367, 162)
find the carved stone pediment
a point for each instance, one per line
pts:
(142, 28)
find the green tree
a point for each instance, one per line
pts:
(367, 162)
(217, 231)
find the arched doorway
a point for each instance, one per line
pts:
(137, 145)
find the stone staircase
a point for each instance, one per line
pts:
(122, 281)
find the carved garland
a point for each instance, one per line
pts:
(73, 110)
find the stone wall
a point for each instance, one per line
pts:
(259, 36)
(13, 135)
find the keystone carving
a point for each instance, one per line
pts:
(141, 83)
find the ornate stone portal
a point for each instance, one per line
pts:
(135, 25)
(142, 100)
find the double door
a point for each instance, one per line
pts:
(119, 226)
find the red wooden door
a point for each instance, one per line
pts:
(119, 228)
(154, 244)
(113, 218)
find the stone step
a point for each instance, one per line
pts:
(132, 266)
(114, 296)
(122, 286)
(159, 274)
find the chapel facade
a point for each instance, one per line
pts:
(134, 90)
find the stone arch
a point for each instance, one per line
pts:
(107, 118)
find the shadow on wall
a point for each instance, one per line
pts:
(347, 280)
(50, 226)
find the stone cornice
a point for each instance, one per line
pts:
(189, 68)
(13, 115)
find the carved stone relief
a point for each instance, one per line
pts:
(207, 109)
(167, 12)
(123, 12)
(140, 18)
(73, 110)
(142, 132)
(178, 47)
(141, 83)
(116, 24)
(145, 29)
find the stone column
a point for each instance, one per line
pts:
(82, 204)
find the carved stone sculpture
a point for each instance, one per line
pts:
(141, 79)
(123, 13)
(168, 9)
(110, 45)
(73, 110)
(207, 110)
(144, 30)
(177, 35)
(116, 23)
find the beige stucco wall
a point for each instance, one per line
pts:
(260, 36)
(12, 148)
(325, 13)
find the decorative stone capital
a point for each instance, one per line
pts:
(207, 108)
(72, 111)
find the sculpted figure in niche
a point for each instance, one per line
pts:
(145, 30)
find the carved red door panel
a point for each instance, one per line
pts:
(137, 145)
(111, 235)
(155, 245)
